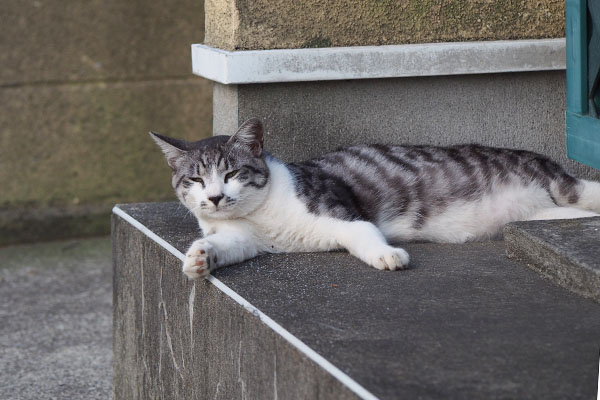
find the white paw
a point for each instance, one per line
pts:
(390, 258)
(199, 260)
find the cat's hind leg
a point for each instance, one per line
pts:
(363, 240)
(561, 213)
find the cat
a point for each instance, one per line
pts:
(359, 198)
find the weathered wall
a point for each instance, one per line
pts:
(305, 119)
(81, 84)
(263, 24)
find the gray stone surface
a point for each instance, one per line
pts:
(69, 152)
(565, 251)
(225, 109)
(518, 110)
(55, 320)
(463, 322)
(55, 40)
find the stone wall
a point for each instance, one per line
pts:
(258, 24)
(81, 84)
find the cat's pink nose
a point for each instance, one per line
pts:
(216, 199)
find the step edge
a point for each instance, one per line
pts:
(345, 379)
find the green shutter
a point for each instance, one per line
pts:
(583, 81)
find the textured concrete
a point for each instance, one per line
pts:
(74, 150)
(257, 24)
(565, 251)
(302, 120)
(463, 322)
(225, 109)
(55, 320)
(57, 40)
(81, 84)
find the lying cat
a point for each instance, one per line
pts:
(359, 198)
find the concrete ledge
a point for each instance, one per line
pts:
(565, 251)
(464, 322)
(369, 62)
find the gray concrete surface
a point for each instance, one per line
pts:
(565, 251)
(302, 120)
(463, 322)
(55, 320)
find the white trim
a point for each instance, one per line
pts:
(369, 62)
(293, 340)
(598, 396)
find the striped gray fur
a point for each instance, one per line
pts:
(197, 159)
(376, 183)
(360, 198)
(381, 182)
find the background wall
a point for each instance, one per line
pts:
(268, 24)
(81, 84)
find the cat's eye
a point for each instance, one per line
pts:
(231, 175)
(197, 179)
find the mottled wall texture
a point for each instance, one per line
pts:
(81, 84)
(268, 24)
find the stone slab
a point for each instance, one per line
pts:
(463, 322)
(373, 62)
(306, 119)
(50, 40)
(565, 251)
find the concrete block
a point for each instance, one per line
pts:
(303, 120)
(176, 339)
(53, 40)
(79, 144)
(463, 322)
(70, 148)
(564, 251)
(258, 24)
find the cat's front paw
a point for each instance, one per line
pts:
(199, 260)
(390, 258)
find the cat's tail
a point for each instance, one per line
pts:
(588, 196)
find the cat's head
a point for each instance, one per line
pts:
(220, 177)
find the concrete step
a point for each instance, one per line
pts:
(565, 251)
(463, 322)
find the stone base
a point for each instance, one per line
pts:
(463, 322)
(565, 251)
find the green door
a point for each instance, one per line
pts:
(583, 81)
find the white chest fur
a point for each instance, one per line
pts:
(282, 223)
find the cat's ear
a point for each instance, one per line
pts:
(174, 149)
(249, 135)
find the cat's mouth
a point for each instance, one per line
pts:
(222, 210)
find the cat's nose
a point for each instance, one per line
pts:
(216, 199)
